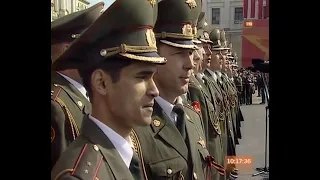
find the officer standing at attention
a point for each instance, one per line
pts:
(200, 96)
(173, 146)
(218, 89)
(69, 102)
(120, 53)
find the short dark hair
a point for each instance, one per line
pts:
(112, 66)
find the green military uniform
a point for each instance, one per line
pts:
(166, 152)
(199, 94)
(68, 104)
(217, 90)
(92, 155)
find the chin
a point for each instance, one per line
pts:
(145, 121)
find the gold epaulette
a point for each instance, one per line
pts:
(55, 97)
(190, 107)
(137, 149)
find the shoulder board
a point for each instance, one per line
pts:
(191, 108)
(137, 149)
(55, 91)
(88, 163)
(195, 86)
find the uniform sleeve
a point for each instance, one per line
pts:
(196, 95)
(58, 137)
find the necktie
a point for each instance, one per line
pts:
(135, 167)
(181, 124)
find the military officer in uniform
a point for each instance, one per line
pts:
(173, 146)
(200, 96)
(229, 62)
(69, 102)
(120, 56)
(218, 89)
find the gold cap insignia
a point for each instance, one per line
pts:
(187, 30)
(152, 2)
(151, 39)
(202, 143)
(156, 123)
(195, 31)
(53, 134)
(191, 3)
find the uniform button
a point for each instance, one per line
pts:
(169, 171)
(95, 147)
(195, 175)
(80, 103)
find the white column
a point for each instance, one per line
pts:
(256, 10)
(63, 6)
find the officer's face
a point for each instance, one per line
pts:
(207, 55)
(224, 61)
(128, 101)
(216, 58)
(173, 77)
(198, 58)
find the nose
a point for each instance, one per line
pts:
(188, 63)
(153, 89)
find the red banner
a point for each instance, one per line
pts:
(267, 9)
(255, 40)
(245, 9)
(260, 9)
(253, 8)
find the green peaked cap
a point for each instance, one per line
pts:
(176, 23)
(202, 35)
(69, 27)
(124, 29)
(215, 38)
(223, 40)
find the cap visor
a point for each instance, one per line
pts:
(151, 57)
(179, 43)
(196, 41)
(217, 48)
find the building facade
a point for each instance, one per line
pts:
(229, 15)
(61, 8)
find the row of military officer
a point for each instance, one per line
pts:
(142, 91)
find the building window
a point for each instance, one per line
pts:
(215, 15)
(238, 15)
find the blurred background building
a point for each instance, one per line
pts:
(61, 8)
(231, 15)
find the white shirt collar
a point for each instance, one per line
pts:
(200, 76)
(213, 74)
(76, 84)
(219, 73)
(167, 108)
(123, 146)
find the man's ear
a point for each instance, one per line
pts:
(100, 81)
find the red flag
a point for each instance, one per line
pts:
(245, 9)
(253, 8)
(267, 9)
(260, 9)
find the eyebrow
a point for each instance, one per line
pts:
(146, 72)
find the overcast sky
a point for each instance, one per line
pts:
(107, 3)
